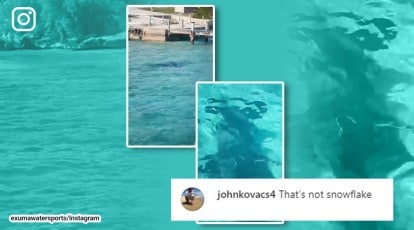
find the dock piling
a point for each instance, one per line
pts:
(192, 33)
(192, 37)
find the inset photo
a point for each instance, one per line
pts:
(240, 130)
(192, 199)
(169, 49)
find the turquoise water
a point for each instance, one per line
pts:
(63, 143)
(348, 69)
(239, 131)
(161, 102)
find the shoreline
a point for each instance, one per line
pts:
(156, 26)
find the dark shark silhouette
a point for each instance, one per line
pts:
(240, 152)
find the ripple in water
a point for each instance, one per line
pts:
(239, 130)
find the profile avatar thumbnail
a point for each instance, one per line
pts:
(192, 199)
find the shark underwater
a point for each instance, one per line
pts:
(240, 153)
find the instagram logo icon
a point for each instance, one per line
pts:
(23, 19)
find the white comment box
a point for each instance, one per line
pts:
(379, 207)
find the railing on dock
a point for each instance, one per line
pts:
(152, 26)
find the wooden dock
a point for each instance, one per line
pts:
(152, 26)
(164, 35)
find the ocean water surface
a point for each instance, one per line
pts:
(239, 130)
(161, 102)
(62, 132)
(348, 68)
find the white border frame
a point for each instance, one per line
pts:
(127, 76)
(283, 143)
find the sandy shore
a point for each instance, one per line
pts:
(197, 203)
